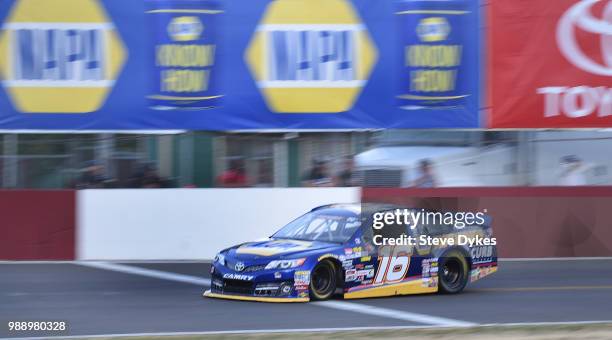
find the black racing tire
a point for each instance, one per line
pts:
(453, 272)
(323, 281)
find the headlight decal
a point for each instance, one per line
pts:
(220, 258)
(285, 264)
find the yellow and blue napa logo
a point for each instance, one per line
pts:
(433, 29)
(60, 56)
(186, 28)
(311, 56)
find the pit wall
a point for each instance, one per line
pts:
(37, 225)
(177, 224)
(193, 224)
(527, 222)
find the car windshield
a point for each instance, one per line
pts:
(321, 226)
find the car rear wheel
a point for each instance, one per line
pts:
(452, 272)
(323, 281)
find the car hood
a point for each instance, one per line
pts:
(277, 248)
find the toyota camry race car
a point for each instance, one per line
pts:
(332, 249)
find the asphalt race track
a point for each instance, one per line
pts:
(166, 298)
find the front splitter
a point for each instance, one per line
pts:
(210, 294)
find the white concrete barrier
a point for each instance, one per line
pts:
(188, 224)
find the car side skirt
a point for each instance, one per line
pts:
(403, 288)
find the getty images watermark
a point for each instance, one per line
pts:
(438, 228)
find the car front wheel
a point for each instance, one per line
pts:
(323, 281)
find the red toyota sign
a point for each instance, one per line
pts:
(550, 63)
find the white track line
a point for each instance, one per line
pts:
(158, 274)
(340, 305)
(394, 314)
(309, 330)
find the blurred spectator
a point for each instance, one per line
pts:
(151, 178)
(234, 176)
(346, 176)
(317, 176)
(425, 178)
(93, 177)
(572, 171)
(148, 177)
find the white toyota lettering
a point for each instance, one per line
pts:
(575, 102)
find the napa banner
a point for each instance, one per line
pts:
(239, 65)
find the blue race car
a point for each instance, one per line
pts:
(331, 250)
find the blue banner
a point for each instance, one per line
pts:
(235, 64)
(435, 50)
(183, 72)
